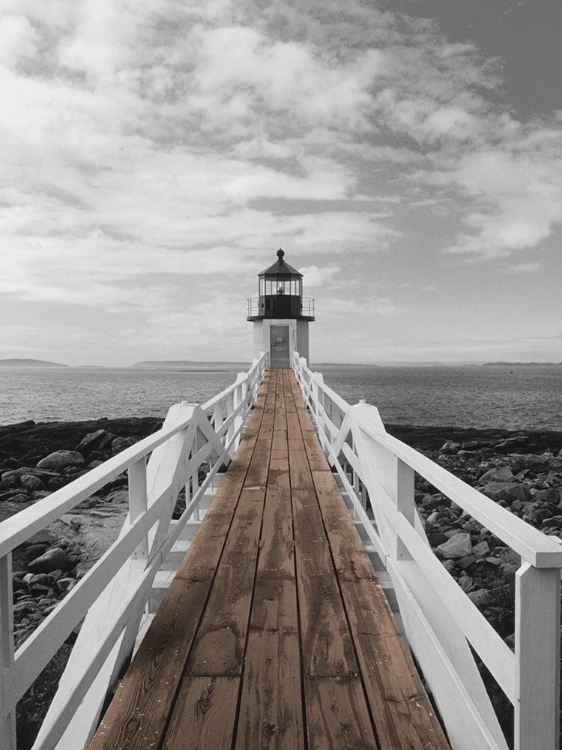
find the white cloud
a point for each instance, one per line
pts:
(318, 277)
(520, 184)
(525, 268)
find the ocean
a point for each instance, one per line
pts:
(515, 398)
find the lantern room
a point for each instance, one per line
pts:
(281, 315)
(280, 294)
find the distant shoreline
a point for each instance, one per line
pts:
(209, 366)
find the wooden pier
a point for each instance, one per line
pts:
(275, 632)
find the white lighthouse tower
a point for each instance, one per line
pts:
(281, 315)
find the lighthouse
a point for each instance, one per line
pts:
(281, 315)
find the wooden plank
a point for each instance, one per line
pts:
(337, 715)
(301, 477)
(403, 715)
(326, 642)
(276, 559)
(142, 701)
(204, 715)
(349, 557)
(271, 715)
(220, 643)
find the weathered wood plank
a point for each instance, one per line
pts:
(271, 715)
(204, 715)
(142, 701)
(326, 642)
(403, 715)
(337, 715)
(220, 643)
(350, 559)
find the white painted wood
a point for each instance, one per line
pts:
(405, 504)
(537, 647)
(7, 718)
(446, 663)
(138, 500)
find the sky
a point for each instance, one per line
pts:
(405, 154)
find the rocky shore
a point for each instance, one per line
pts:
(521, 471)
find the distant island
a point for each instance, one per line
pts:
(185, 365)
(29, 363)
(522, 364)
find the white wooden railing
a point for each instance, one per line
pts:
(441, 623)
(111, 598)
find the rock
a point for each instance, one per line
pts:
(66, 584)
(457, 546)
(507, 492)
(99, 440)
(513, 444)
(475, 445)
(482, 549)
(31, 482)
(549, 495)
(480, 598)
(536, 516)
(61, 460)
(502, 474)
(121, 443)
(435, 538)
(51, 560)
(450, 448)
(555, 521)
(21, 497)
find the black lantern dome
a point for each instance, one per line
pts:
(280, 290)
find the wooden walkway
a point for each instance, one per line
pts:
(275, 632)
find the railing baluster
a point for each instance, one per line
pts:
(7, 722)
(138, 501)
(537, 652)
(405, 503)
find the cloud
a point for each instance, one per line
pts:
(151, 152)
(519, 186)
(319, 277)
(525, 268)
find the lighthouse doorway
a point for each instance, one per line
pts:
(279, 347)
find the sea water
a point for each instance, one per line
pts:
(518, 398)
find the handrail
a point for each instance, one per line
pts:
(111, 597)
(377, 472)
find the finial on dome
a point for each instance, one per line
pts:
(280, 255)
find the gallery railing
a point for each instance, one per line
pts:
(443, 626)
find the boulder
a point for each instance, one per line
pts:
(459, 545)
(31, 482)
(60, 460)
(507, 492)
(121, 443)
(501, 474)
(54, 559)
(99, 440)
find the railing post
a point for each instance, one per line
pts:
(537, 658)
(7, 721)
(239, 397)
(138, 501)
(405, 500)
